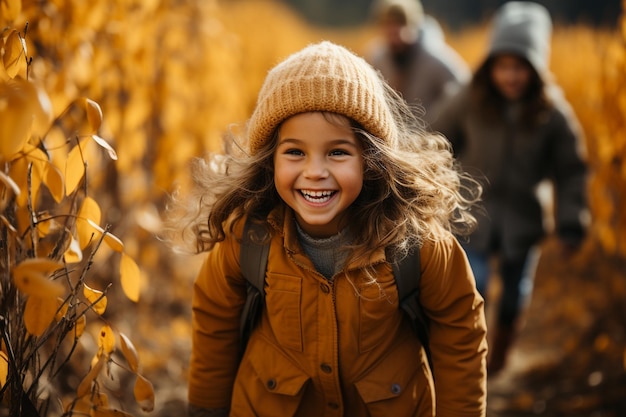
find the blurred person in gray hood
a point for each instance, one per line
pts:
(413, 56)
(512, 128)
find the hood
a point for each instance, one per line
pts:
(525, 29)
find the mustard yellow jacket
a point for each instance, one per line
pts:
(337, 348)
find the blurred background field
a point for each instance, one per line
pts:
(171, 76)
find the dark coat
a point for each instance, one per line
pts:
(511, 156)
(510, 161)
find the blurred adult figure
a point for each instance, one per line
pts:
(512, 127)
(412, 54)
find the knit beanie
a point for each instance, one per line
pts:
(523, 28)
(321, 77)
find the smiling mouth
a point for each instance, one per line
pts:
(317, 196)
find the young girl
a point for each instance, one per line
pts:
(345, 181)
(513, 127)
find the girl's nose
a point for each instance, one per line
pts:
(315, 168)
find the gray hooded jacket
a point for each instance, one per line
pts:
(509, 156)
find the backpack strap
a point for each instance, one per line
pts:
(253, 256)
(407, 273)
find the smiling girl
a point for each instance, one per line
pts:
(345, 182)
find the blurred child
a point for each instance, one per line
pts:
(512, 126)
(344, 182)
(413, 56)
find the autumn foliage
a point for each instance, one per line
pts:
(102, 105)
(51, 230)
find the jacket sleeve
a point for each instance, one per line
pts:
(219, 293)
(457, 329)
(570, 175)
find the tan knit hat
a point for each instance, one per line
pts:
(321, 77)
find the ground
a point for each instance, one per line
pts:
(569, 357)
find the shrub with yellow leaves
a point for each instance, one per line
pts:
(50, 231)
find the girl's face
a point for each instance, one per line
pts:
(511, 75)
(318, 170)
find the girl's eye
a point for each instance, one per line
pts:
(339, 152)
(297, 152)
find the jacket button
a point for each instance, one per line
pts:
(325, 288)
(271, 384)
(396, 389)
(326, 368)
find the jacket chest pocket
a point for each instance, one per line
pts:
(378, 313)
(283, 299)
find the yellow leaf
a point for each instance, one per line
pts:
(94, 114)
(23, 217)
(106, 340)
(92, 230)
(96, 298)
(95, 359)
(130, 353)
(43, 113)
(79, 327)
(18, 171)
(104, 144)
(43, 265)
(144, 393)
(54, 181)
(88, 214)
(74, 170)
(10, 9)
(56, 143)
(39, 313)
(18, 107)
(37, 284)
(79, 406)
(73, 254)
(130, 277)
(14, 58)
(36, 155)
(45, 224)
(4, 368)
(114, 242)
(31, 278)
(85, 385)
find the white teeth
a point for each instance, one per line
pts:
(316, 193)
(317, 196)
